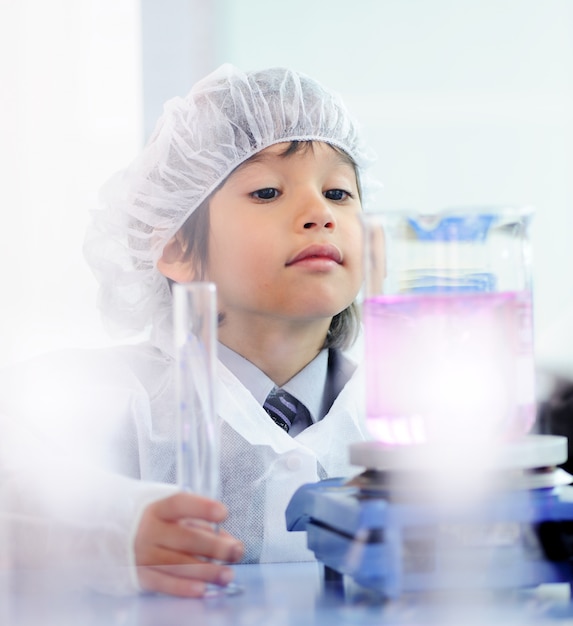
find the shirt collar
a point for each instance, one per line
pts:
(307, 386)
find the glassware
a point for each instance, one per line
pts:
(448, 325)
(195, 326)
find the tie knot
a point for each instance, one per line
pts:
(282, 407)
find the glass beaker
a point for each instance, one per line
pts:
(448, 325)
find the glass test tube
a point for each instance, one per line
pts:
(195, 320)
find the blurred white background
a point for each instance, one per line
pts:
(70, 115)
(464, 101)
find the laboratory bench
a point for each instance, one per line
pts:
(290, 594)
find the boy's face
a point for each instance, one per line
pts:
(285, 236)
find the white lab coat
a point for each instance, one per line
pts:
(88, 440)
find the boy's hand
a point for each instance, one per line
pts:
(175, 542)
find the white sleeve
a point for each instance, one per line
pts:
(62, 504)
(83, 522)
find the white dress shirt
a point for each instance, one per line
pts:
(308, 386)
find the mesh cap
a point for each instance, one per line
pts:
(199, 140)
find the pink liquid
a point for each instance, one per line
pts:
(446, 368)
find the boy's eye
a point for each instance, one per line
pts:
(336, 194)
(268, 193)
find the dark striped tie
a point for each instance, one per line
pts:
(282, 407)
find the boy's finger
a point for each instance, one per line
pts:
(183, 580)
(204, 571)
(159, 582)
(192, 540)
(188, 505)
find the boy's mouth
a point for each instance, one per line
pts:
(325, 251)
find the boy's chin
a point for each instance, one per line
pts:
(319, 315)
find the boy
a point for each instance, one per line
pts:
(250, 182)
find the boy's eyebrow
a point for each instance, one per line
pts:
(256, 158)
(263, 156)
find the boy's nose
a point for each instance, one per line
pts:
(318, 214)
(326, 224)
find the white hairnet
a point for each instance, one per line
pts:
(225, 119)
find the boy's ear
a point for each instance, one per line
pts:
(173, 264)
